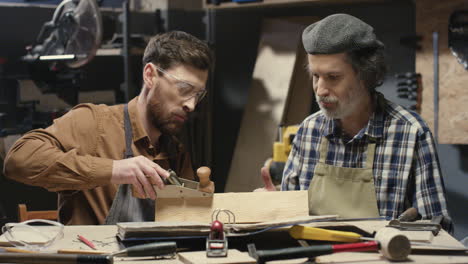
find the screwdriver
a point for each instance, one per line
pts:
(314, 233)
(151, 249)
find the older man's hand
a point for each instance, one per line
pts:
(266, 177)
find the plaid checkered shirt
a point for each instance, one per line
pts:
(406, 166)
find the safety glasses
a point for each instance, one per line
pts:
(34, 235)
(186, 89)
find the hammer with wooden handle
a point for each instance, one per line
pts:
(390, 242)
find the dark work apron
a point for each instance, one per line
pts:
(125, 207)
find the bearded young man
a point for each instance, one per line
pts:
(360, 155)
(94, 154)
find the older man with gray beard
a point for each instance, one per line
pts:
(360, 155)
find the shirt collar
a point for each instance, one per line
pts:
(375, 126)
(137, 128)
(169, 145)
(330, 127)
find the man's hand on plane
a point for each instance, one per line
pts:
(140, 172)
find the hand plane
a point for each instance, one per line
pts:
(182, 188)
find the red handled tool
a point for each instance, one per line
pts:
(216, 243)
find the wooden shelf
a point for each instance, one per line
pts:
(269, 3)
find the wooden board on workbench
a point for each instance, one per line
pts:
(199, 257)
(248, 207)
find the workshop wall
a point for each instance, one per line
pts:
(433, 16)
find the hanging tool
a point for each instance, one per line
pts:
(409, 86)
(458, 36)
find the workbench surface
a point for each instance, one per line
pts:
(104, 238)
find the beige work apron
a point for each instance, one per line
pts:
(347, 192)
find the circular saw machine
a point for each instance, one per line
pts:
(66, 43)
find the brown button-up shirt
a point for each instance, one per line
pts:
(74, 157)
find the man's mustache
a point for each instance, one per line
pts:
(327, 99)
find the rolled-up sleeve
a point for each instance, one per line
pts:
(430, 191)
(60, 157)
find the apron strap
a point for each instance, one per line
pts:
(128, 134)
(323, 149)
(370, 153)
(125, 207)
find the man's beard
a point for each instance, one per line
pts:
(160, 121)
(343, 108)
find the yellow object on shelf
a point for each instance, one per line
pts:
(282, 148)
(314, 233)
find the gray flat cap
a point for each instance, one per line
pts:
(339, 33)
